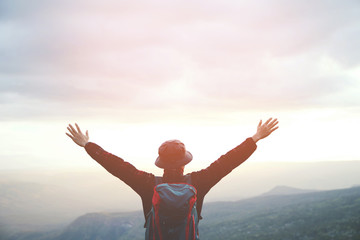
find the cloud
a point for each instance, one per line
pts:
(160, 56)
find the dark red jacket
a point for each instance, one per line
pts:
(143, 183)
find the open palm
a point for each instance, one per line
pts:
(77, 136)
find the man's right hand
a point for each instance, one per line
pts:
(77, 136)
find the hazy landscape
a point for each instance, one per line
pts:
(51, 200)
(138, 73)
(291, 214)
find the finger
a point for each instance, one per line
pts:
(267, 122)
(87, 133)
(68, 128)
(78, 128)
(273, 123)
(71, 131)
(273, 129)
(259, 125)
(274, 120)
(72, 128)
(70, 136)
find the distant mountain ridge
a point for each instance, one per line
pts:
(43, 200)
(105, 226)
(313, 216)
(286, 190)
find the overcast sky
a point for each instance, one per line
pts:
(135, 73)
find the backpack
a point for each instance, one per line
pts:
(173, 215)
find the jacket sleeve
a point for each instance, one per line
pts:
(208, 177)
(136, 179)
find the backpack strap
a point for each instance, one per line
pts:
(187, 179)
(158, 180)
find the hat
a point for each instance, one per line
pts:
(172, 154)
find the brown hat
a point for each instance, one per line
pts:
(172, 154)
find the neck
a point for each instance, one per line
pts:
(173, 174)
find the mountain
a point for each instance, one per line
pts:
(44, 199)
(312, 216)
(46, 204)
(285, 190)
(105, 226)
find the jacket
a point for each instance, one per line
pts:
(143, 183)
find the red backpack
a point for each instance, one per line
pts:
(173, 215)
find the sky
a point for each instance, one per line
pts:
(137, 73)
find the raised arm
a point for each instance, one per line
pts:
(226, 163)
(125, 171)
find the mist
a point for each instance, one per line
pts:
(47, 199)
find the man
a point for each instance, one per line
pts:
(173, 157)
